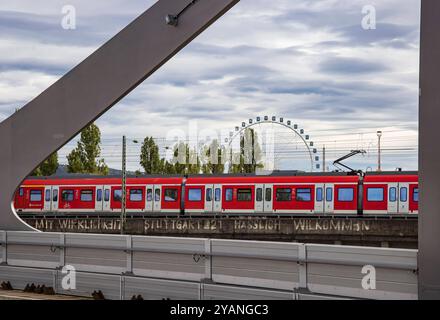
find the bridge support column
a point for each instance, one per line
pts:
(429, 152)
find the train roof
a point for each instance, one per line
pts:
(273, 173)
(274, 177)
(271, 179)
(391, 178)
(277, 173)
(391, 173)
(101, 180)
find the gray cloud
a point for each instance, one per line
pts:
(55, 69)
(350, 66)
(306, 60)
(385, 33)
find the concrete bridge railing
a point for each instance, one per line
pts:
(187, 268)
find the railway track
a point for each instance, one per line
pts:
(93, 215)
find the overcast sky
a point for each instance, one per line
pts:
(305, 60)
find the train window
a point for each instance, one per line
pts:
(55, 195)
(36, 195)
(228, 194)
(117, 195)
(319, 194)
(107, 195)
(208, 195)
(403, 194)
(375, 194)
(416, 195)
(393, 194)
(345, 194)
(268, 196)
(244, 195)
(196, 194)
(47, 196)
(170, 195)
(329, 194)
(303, 194)
(67, 195)
(86, 195)
(99, 195)
(20, 192)
(259, 194)
(136, 195)
(217, 194)
(284, 194)
(149, 195)
(157, 195)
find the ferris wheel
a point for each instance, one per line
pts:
(295, 133)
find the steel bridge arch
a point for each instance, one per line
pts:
(49, 121)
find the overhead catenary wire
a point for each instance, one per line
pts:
(398, 144)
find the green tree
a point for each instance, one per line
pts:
(249, 158)
(212, 156)
(168, 168)
(194, 166)
(84, 158)
(186, 160)
(150, 158)
(237, 163)
(251, 151)
(48, 167)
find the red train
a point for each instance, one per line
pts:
(280, 194)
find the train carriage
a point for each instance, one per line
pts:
(30, 198)
(272, 195)
(390, 194)
(279, 194)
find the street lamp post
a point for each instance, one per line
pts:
(379, 135)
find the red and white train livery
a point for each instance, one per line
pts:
(279, 194)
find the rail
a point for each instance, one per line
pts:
(57, 215)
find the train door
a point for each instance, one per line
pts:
(209, 198)
(157, 198)
(99, 198)
(106, 203)
(18, 199)
(217, 198)
(393, 199)
(329, 198)
(47, 198)
(268, 197)
(259, 199)
(55, 197)
(403, 197)
(149, 199)
(319, 198)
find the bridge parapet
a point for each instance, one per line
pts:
(189, 268)
(365, 231)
